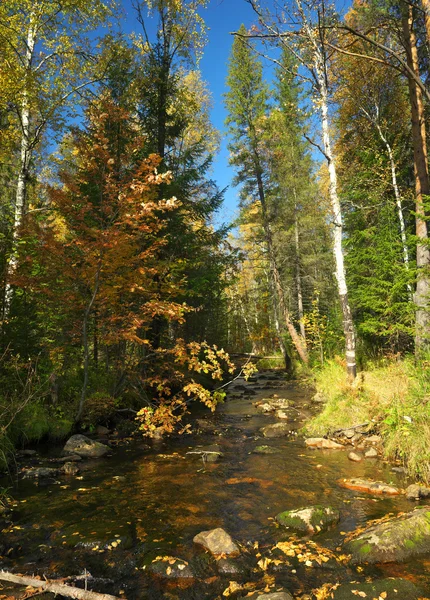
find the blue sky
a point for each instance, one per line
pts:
(222, 17)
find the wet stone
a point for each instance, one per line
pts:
(40, 473)
(69, 468)
(276, 430)
(417, 492)
(170, 567)
(392, 589)
(272, 596)
(370, 487)
(323, 443)
(85, 447)
(371, 453)
(311, 519)
(355, 457)
(229, 567)
(265, 450)
(395, 540)
(217, 541)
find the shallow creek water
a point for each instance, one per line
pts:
(125, 510)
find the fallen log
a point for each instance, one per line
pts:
(55, 587)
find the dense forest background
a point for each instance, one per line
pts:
(122, 293)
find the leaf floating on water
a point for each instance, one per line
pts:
(169, 570)
(358, 593)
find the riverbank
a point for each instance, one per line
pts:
(126, 523)
(393, 398)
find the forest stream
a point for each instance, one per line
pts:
(115, 522)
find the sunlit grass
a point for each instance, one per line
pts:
(395, 397)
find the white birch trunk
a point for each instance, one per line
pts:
(23, 174)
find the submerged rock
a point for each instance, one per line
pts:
(265, 450)
(272, 596)
(40, 473)
(370, 487)
(276, 430)
(69, 468)
(395, 540)
(323, 443)
(391, 589)
(311, 519)
(171, 567)
(417, 492)
(217, 541)
(84, 446)
(355, 457)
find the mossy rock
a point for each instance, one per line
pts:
(265, 450)
(311, 519)
(395, 589)
(395, 540)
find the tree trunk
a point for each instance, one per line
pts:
(296, 339)
(24, 166)
(55, 587)
(426, 9)
(422, 187)
(298, 277)
(287, 358)
(398, 204)
(348, 325)
(86, 362)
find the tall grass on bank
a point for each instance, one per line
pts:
(395, 396)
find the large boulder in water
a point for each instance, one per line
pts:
(217, 541)
(395, 540)
(311, 519)
(389, 589)
(83, 446)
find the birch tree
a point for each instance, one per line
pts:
(50, 60)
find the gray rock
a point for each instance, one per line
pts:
(276, 430)
(373, 439)
(274, 596)
(323, 443)
(217, 541)
(371, 453)
(82, 445)
(281, 414)
(396, 540)
(417, 492)
(40, 473)
(265, 407)
(395, 589)
(400, 470)
(355, 457)
(311, 519)
(27, 452)
(208, 453)
(349, 433)
(69, 468)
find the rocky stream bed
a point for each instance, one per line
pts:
(243, 507)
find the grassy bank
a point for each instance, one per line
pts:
(395, 396)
